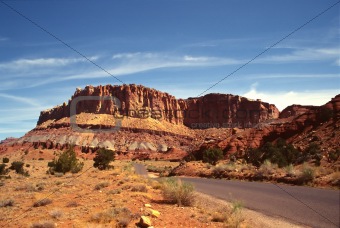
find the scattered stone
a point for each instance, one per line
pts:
(144, 222)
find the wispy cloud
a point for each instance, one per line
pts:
(24, 100)
(3, 39)
(23, 72)
(290, 75)
(22, 64)
(308, 54)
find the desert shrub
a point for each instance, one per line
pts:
(267, 168)
(29, 187)
(3, 170)
(119, 214)
(45, 224)
(5, 160)
(290, 171)
(218, 171)
(280, 153)
(7, 203)
(334, 155)
(103, 158)
(72, 204)
(254, 156)
(42, 202)
(221, 215)
(139, 188)
(67, 162)
(175, 191)
(190, 157)
(101, 185)
(56, 214)
(313, 151)
(18, 166)
(307, 174)
(28, 165)
(114, 191)
(41, 159)
(212, 155)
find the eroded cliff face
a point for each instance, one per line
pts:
(227, 111)
(134, 101)
(211, 110)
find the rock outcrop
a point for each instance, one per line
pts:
(136, 101)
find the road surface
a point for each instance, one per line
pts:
(303, 205)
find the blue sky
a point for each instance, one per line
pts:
(181, 47)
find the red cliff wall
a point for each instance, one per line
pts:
(211, 110)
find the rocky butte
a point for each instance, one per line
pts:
(137, 101)
(156, 124)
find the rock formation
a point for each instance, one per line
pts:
(211, 110)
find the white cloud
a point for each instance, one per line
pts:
(307, 54)
(282, 99)
(3, 39)
(125, 55)
(28, 64)
(24, 100)
(291, 75)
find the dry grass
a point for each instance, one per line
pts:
(7, 203)
(44, 224)
(72, 202)
(42, 202)
(101, 185)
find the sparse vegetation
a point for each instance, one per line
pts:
(18, 166)
(44, 224)
(7, 203)
(3, 170)
(56, 214)
(103, 158)
(267, 168)
(280, 153)
(42, 202)
(307, 174)
(67, 162)
(139, 188)
(101, 185)
(212, 155)
(334, 155)
(175, 191)
(121, 215)
(5, 160)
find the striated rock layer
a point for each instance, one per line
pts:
(212, 110)
(155, 124)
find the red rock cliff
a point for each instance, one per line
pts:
(211, 110)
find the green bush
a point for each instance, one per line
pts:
(18, 166)
(103, 158)
(280, 153)
(212, 155)
(175, 191)
(334, 155)
(5, 160)
(307, 174)
(3, 170)
(313, 151)
(67, 162)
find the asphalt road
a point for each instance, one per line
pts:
(303, 205)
